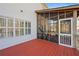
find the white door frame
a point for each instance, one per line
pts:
(66, 34)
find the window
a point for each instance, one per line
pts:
(2, 27)
(17, 27)
(2, 32)
(17, 23)
(10, 22)
(29, 27)
(29, 31)
(26, 24)
(17, 32)
(25, 27)
(21, 27)
(2, 22)
(21, 31)
(26, 31)
(21, 23)
(29, 24)
(10, 32)
(10, 28)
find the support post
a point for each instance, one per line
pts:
(74, 21)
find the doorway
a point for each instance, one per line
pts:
(65, 32)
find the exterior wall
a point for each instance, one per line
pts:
(13, 10)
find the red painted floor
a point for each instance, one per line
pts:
(39, 47)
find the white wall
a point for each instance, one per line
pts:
(13, 10)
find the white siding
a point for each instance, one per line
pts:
(13, 10)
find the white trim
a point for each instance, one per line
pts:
(65, 34)
(58, 29)
(65, 19)
(24, 27)
(66, 45)
(6, 27)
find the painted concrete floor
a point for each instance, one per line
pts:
(38, 47)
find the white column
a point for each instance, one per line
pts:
(14, 27)
(24, 27)
(74, 21)
(58, 29)
(6, 26)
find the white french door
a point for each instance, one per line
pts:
(66, 32)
